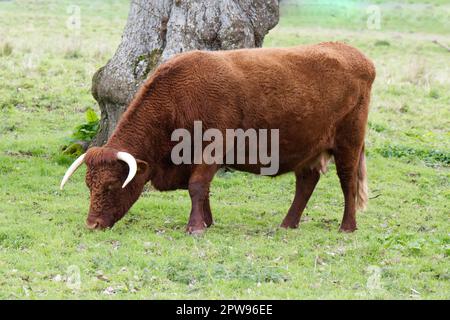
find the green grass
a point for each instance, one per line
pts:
(403, 241)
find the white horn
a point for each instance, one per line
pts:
(72, 169)
(131, 162)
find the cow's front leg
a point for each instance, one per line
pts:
(199, 183)
(207, 212)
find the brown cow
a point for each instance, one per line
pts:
(316, 95)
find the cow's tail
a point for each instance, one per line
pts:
(362, 188)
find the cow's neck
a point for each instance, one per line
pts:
(141, 134)
(144, 129)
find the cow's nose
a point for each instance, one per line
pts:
(93, 224)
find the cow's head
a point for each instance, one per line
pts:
(115, 179)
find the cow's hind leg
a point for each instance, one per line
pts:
(305, 183)
(347, 168)
(349, 159)
(199, 183)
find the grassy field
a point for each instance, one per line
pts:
(401, 250)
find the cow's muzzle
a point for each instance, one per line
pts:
(95, 224)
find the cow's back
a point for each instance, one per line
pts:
(299, 81)
(303, 91)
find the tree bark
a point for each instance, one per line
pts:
(158, 29)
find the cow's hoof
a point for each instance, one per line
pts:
(346, 229)
(287, 225)
(195, 230)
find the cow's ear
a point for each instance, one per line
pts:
(142, 167)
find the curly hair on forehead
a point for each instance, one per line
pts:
(100, 155)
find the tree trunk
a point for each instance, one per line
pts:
(158, 29)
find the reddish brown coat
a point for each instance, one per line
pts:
(316, 95)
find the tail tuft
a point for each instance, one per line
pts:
(362, 188)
